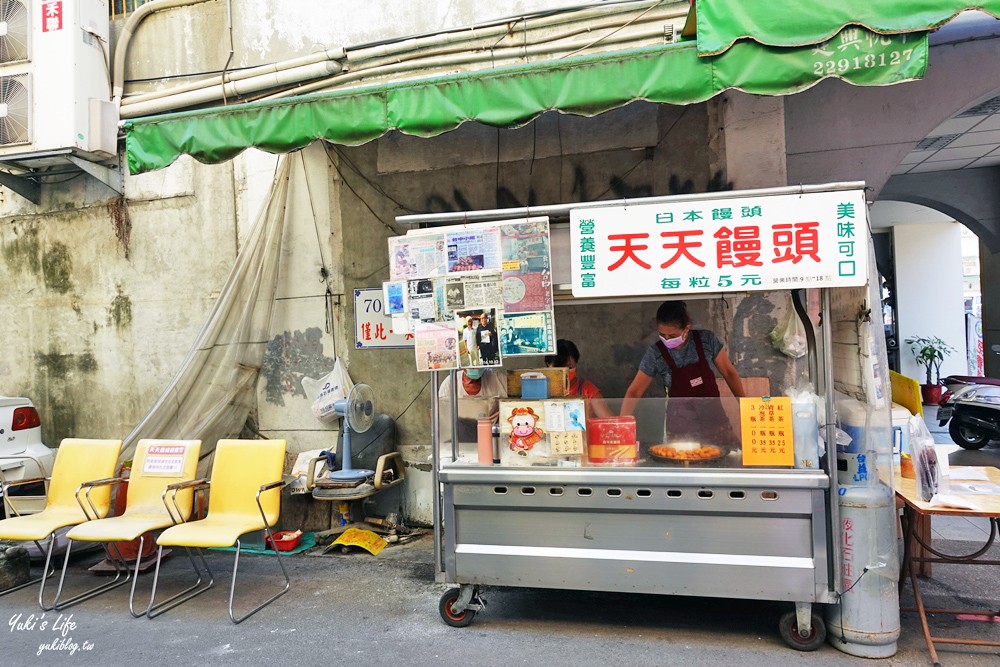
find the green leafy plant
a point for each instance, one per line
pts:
(929, 353)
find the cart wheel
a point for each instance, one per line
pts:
(789, 629)
(448, 616)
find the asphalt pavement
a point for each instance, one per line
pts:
(360, 609)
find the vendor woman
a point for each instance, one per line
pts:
(680, 358)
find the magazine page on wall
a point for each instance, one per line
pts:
(527, 334)
(527, 266)
(436, 346)
(479, 342)
(416, 257)
(466, 291)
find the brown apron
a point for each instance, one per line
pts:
(704, 420)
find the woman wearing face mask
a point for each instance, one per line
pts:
(567, 356)
(681, 359)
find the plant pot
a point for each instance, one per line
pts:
(931, 393)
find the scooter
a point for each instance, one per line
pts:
(953, 383)
(974, 413)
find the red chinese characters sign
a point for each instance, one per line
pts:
(740, 243)
(52, 16)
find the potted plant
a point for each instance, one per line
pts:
(929, 353)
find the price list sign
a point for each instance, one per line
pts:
(767, 431)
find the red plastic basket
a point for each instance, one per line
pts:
(285, 541)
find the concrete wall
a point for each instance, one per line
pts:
(990, 276)
(92, 336)
(839, 132)
(929, 300)
(197, 39)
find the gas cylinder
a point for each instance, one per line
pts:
(865, 622)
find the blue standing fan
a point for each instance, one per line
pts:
(358, 411)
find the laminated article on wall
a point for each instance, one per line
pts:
(491, 282)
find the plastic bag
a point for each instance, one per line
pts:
(789, 337)
(925, 461)
(326, 391)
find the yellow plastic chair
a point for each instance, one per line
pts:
(157, 464)
(77, 461)
(244, 496)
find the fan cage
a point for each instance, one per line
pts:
(15, 32)
(15, 103)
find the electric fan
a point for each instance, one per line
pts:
(358, 411)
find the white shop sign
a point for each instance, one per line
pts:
(721, 245)
(372, 326)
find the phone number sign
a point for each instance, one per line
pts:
(738, 244)
(372, 327)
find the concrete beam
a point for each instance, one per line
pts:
(970, 196)
(839, 132)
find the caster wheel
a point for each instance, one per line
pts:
(448, 616)
(788, 627)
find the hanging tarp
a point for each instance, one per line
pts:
(791, 23)
(215, 387)
(513, 96)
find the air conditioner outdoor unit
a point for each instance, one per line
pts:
(55, 92)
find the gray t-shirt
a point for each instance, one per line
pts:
(654, 365)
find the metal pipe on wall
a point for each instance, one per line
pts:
(318, 56)
(395, 52)
(231, 88)
(121, 47)
(833, 500)
(492, 56)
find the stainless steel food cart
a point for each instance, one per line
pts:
(753, 533)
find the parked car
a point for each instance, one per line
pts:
(22, 455)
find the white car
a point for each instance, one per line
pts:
(22, 455)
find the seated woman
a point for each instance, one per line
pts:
(567, 355)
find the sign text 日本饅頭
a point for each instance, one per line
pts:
(768, 242)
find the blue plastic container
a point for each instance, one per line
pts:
(534, 387)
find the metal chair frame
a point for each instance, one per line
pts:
(48, 568)
(194, 590)
(47, 571)
(176, 517)
(57, 603)
(236, 563)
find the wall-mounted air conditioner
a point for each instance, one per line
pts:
(55, 87)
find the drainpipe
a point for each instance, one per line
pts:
(121, 48)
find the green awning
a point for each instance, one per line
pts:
(513, 96)
(720, 23)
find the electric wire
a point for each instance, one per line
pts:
(375, 186)
(616, 30)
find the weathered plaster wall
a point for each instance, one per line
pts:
(92, 336)
(178, 42)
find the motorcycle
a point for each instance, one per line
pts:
(973, 410)
(953, 383)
